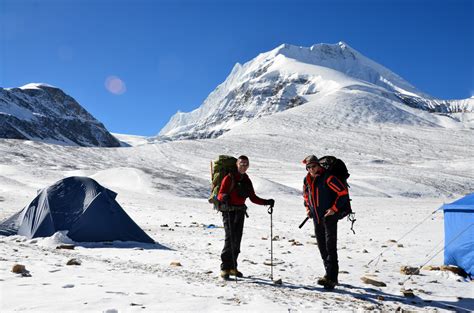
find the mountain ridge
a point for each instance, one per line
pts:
(39, 111)
(288, 76)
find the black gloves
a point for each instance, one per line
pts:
(270, 202)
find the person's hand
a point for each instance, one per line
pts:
(225, 198)
(308, 213)
(270, 202)
(329, 213)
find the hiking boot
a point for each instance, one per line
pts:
(235, 272)
(322, 280)
(329, 285)
(225, 274)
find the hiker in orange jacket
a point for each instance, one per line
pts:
(235, 189)
(324, 195)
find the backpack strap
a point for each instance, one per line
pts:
(339, 188)
(232, 182)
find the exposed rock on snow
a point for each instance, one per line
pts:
(409, 270)
(74, 262)
(373, 282)
(21, 269)
(18, 268)
(176, 263)
(66, 246)
(407, 293)
(447, 268)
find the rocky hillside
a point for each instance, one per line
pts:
(44, 113)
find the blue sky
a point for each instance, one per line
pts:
(171, 54)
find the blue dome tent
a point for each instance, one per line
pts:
(459, 233)
(87, 210)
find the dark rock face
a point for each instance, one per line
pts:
(47, 114)
(248, 101)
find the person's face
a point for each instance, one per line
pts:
(312, 169)
(242, 166)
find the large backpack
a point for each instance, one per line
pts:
(335, 167)
(224, 165)
(338, 168)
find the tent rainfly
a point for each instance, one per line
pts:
(87, 210)
(459, 233)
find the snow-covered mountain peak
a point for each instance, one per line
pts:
(42, 112)
(36, 86)
(290, 76)
(341, 49)
(343, 58)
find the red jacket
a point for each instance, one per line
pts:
(239, 187)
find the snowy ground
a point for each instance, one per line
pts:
(399, 176)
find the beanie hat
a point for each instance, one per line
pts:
(310, 159)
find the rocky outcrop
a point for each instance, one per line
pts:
(45, 113)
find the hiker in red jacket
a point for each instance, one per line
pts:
(324, 194)
(235, 189)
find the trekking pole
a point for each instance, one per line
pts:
(270, 211)
(304, 222)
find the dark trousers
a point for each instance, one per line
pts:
(326, 236)
(233, 226)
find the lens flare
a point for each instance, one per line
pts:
(115, 85)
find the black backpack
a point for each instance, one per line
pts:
(338, 168)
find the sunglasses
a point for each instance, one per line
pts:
(311, 166)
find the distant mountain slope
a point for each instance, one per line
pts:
(290, 76)
(45, 113)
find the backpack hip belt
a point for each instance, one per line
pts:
(231, 208)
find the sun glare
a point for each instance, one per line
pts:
(115, 85)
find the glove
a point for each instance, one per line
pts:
(270, 202)
(225, 198)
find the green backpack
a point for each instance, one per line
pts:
(224, 165)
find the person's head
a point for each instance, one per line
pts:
(312, 164)
(242, 164)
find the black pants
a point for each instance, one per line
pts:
(326, 236)
(233, 226)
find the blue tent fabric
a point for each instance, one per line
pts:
(459, 233)
(87, 210)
